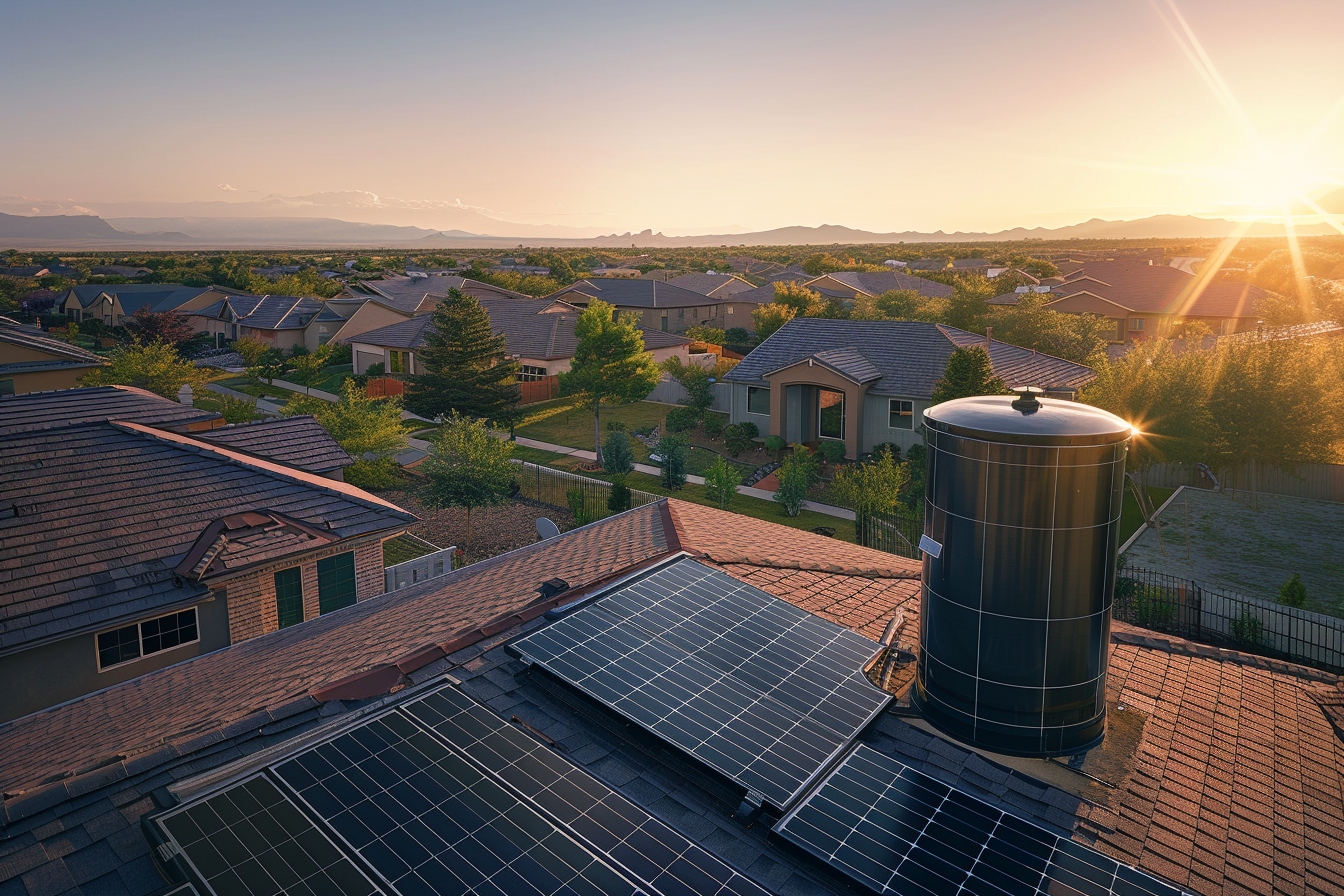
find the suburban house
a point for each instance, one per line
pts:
(281, 322)
(111, 304)
(34, 361)
(1141, 299)
(300, 442)
(393, 740)
(718, 286)
(538, 333)
(128, 545)
(418, 293)
(849, 285)
(868, 382)
(661, 306)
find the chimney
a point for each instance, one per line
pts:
(989, 337)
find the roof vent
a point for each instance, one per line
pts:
(551, 587)
(1026, 400)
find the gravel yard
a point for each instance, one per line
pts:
(494, 530)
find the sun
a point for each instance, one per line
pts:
(1276, 179)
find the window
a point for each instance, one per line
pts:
(901, 414)
(681, 314)
(131, 642)
(830, 414)
(662, 322)
(398, 361)
(6, 387)
(336, 582)
(530, 374)
(1136, 323)
(289, 596)
(758, 400)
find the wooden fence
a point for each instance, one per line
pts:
(1323, 482)
(544, 389)
(384, 387)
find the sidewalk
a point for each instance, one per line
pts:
(264, 405)
(763, 494)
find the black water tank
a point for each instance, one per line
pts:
(1022, 510)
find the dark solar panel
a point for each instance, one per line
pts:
(896, 830)
(251, 839)
(756, 688)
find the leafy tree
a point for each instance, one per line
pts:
(896, 304)
(155, 366)
(148, 325)
(1030, 324)
(737, 337)
(795, 476)
(269, 367)
(969, 305)
(721, 482)
(368, 429)
(609, 364)
(464, 366)
(617, 454)
(769, 318)
(251, 350)
(698, 381)
(1293, 593)
(310, 367)
(233, 410)
(917, 467)
(804, 302)
(969, 372)
(712, 335)
(872, 490)
(672, 450)
(467, 467)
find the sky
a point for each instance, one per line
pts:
(686, 117)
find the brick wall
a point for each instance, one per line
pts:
(251, 597)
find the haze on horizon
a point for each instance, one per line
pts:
(688, 118)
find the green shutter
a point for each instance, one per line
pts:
(336, 582)
(289, 596)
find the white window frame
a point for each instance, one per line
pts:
(140, 639)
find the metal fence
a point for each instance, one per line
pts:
(892, 533)
(1185, 608)
(588, 499)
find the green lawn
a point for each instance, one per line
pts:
(1131, 517)
(565, 423)
(261, 390)
(335, 376)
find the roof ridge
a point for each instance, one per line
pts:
(1181, 647)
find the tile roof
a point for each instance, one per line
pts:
(874, 283)
(720, 286)
(532, 328)
(634, 293)
(1234, 785)
(91, 404)
(299, 442)
(911, 356)
(63, 354)
(95, 516)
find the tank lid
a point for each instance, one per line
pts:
(1028, 419)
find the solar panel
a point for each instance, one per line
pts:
(252, 839)
(438, 796)
(758, 689)
(895, 830)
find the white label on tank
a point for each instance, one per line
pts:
(929, 546)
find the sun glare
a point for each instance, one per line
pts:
(1275, 179)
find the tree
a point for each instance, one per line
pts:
(872, 490)
(969, 372)
(1293, 593)
(617, 454)
(233, 410)
(896, 304)
(465, 369)
(155, 366)
(368, 429)
(769, 318)
(671, 451)
(609, 364)
(969, 305)
(804, 302)
(467, 467)
(251, 350)
(721, 482)
(1030, 324)
(148, 325)
(795, 476)
(698, 381)
(309, 367)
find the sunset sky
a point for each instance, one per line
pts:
(681, 117)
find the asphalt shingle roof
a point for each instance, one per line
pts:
(635, 293)
(63, 353)
(299, 442)
(410, 295)
(874, 283)
(133, 296)
(910, 356)
(267, 312)
(1152, 289)
(93, 404)
(720, 286)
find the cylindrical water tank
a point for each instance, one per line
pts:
(1021, 523)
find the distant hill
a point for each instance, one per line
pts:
(56, 227)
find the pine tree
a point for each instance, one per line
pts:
(969, 372)
(464, 367)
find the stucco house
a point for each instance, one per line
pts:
(868, 382)
(34, 361)
(660, 306)
(281, 322)
(538, 333)
(111, 304)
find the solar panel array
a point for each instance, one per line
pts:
(896, 830)
(756, 688)
(439, 796)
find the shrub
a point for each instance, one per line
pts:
(672, 450)
(298, 351)
(617, 454)
(1152, 609)
(682, 419)
(1293, 593)
(619, 498)
(796, 476)
(721, 482)
(1246, 630)
(887, 448)
(615, 426)
(234, 410)
(340, 354)
(577, 499)
(737, 337)
(713, 424)
(775, 444)
(833, 451)
(739, 436)
(377, 368)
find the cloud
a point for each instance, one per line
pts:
(227, 189)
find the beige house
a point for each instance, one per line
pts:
(660, 306)
(111, 304)
(281, 322)
(34, 361)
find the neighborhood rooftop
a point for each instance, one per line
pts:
(96, 404)
(636, 293)
(1230, 781)
(23, 337)
(299, 441)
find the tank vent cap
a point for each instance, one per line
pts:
(1026, 400)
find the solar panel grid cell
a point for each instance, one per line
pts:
(761, 691)
(896, 830)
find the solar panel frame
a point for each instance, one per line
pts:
(717, 668)
(896, 830)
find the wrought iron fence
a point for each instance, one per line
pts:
(588, 499)
(890, 532)
(1188, 609)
